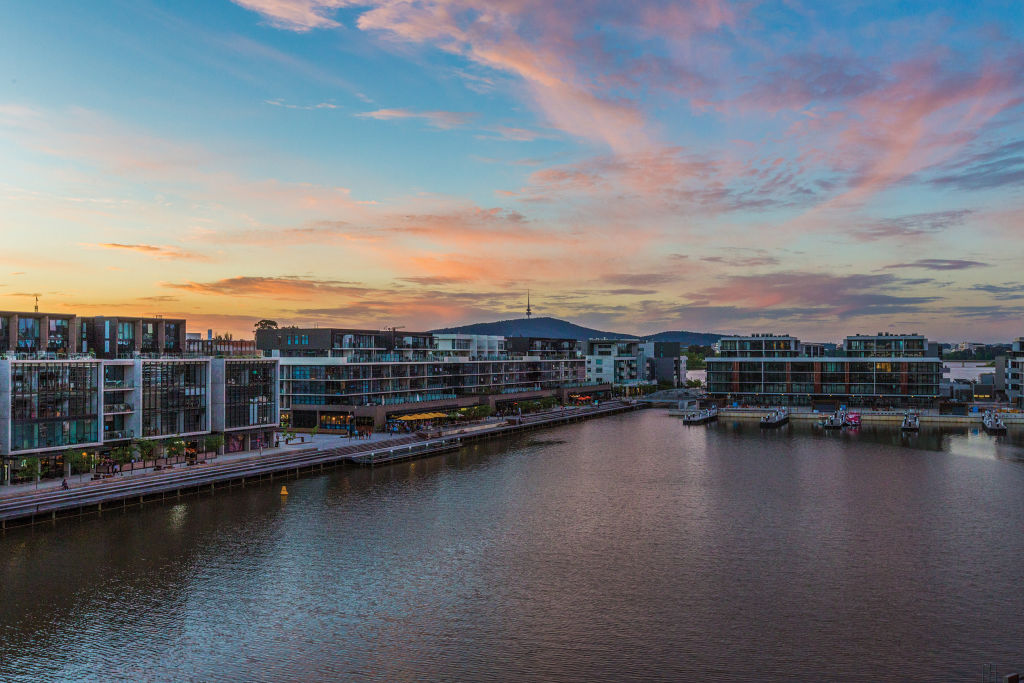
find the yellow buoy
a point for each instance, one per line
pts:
(284, 490)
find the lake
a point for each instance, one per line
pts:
(625, 548)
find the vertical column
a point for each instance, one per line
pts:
(12, 337)
(138, 335)
(73, 326)
(44, 333)
(161, 335)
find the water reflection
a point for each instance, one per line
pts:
(630, 548)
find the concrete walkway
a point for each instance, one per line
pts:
(318, 442)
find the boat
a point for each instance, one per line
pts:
(775, 418)
(911, 422)
(852, 420)
(699, 417)
(836, 420)
(992, 423)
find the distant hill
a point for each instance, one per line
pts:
(553, 327)
(534, 327)
(686, 338)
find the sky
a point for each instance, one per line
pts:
(811, 168)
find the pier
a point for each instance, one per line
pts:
(114, 494)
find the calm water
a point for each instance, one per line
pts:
(628, 548)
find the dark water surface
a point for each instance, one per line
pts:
(626, 548)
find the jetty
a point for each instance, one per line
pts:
(699, 417)
(911, 422)
(775, 418)
(97, 497)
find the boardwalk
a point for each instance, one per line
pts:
(51, 504)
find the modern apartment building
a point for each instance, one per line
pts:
(881, 369)
(60, 335)
(334, 377)
(1013, 373)
(120, 387)
(615, 361)
(629, 362)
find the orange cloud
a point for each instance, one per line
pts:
(156, 251)
(437, 119)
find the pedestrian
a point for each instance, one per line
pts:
(64, 485)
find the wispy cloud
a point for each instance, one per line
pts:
(437, 119)
(305, 107)
(940, 264)
(155, 251)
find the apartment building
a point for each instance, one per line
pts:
(629, 362)
(59, 335)
(866, 370)
(1011, 367)
(334, 377)
(99, 382)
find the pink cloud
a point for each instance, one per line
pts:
(437, 119)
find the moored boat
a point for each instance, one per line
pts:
(775, 418)
(836, 420)
(852, 420)
(992, 423)
(698, 417)
(911, 422)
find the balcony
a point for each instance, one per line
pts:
(120, 435)
(117, 408)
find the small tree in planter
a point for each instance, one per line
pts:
(314, 431)
(121, 455)
(30, 469)
(77, 461)
(146, 449)
(212, 443)
(175, 448)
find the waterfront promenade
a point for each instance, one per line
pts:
(24, 504)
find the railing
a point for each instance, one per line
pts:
(110, 408)
(119, 435)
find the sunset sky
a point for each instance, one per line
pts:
(817, 168)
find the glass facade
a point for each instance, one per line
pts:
(249, 394)
(53, 404)
(58, 339)
(750, 378)
(174, 397)
(171, 333)
(28, 335)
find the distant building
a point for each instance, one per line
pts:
(1012, 366)
(615, 361)
(221, 347)
(665, 362)
(630, 362)
(883, 369)
(334, 378)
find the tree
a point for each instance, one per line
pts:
(265, 325)
(213, 442)
(315, 430)
(146, 449)
(30, 469)
(79, 461)
(175, 448)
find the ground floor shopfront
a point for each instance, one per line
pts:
(353, 419)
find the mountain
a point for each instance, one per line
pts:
(686, 338)
(533, 327)
(553, 327)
